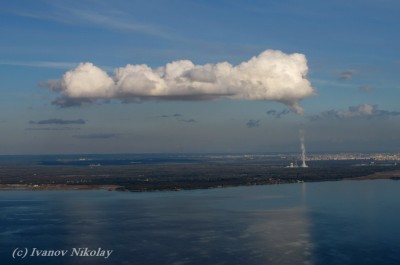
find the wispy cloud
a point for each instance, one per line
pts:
(362, 111)
(335, 83)
(176, 115)
(187, 120)
(113, 21)
(51, 128)
(347, 74)
(179, 117)
(96, 15)
(278, 114)
(41, 64)
(366, 88)
(253, 123)
(64, 102)
(97, 136)
(56, 121)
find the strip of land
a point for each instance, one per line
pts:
(184, 176)
(394, 174)
(57, 187)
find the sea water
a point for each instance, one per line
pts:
(343, 222)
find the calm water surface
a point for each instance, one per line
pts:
(346, 222)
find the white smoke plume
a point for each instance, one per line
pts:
(272, 75)
(303, 148)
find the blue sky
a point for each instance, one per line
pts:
(352, 56)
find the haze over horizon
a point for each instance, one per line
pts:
(192, 77)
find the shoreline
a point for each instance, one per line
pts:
(395, 175)
(8, 187)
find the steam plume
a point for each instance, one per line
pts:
(303, 149)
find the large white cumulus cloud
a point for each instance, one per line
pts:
(272, 75)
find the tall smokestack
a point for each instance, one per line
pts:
(303, 149)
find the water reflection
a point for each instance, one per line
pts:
(277, 235)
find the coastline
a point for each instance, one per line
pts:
(174, 186)
(395, 174)
(9, 187)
